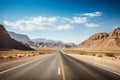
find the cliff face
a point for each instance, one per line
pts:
(102, 41)
(6, 42)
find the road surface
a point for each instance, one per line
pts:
(57, 66)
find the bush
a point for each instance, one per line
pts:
(109, 54)
(3, 57)
(11, 57)
(98, 55)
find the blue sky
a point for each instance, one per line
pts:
(66, 20)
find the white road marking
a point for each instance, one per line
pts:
(19, 66)
(58, 70)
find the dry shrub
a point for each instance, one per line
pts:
(93, 54)
(98, 55)
(109, 54)
(3, 57)
(11, 57)
(117, 57)
(17, 53)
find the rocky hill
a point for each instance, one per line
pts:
(102, 41)
(7, 43)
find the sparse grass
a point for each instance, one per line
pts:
(75, 52)
(17, 53)
(97, 54)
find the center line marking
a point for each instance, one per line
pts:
(62, 68)
(58, 70)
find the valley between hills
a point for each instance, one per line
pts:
(18, 50)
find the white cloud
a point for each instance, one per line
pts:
(91, 25)
(94, 14)
(44, 19)
(79, 20)
(37, 23)
(52, 23)
(64, 27)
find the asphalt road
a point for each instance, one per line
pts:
(57, 67)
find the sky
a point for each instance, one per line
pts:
(65, 20)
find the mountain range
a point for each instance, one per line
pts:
(40, 42)
(97, 42)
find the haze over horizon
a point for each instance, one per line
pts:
(65, 20)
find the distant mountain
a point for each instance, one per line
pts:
(40, 42)
(19, 37)
(6, 42)
(44, 43)
(102, 41)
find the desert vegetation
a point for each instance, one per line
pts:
(12, 54)
(97, 54)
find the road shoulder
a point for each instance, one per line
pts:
(107, 63)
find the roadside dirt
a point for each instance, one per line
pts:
(7, 62)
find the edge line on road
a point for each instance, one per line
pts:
(21, 65)
(62, 68)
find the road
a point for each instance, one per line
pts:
(57, 66)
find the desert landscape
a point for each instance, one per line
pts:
(12, 51)
(60, 40)
(100, 49)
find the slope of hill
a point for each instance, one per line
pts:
(102, 41)
(6, 42)
(19, 37)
